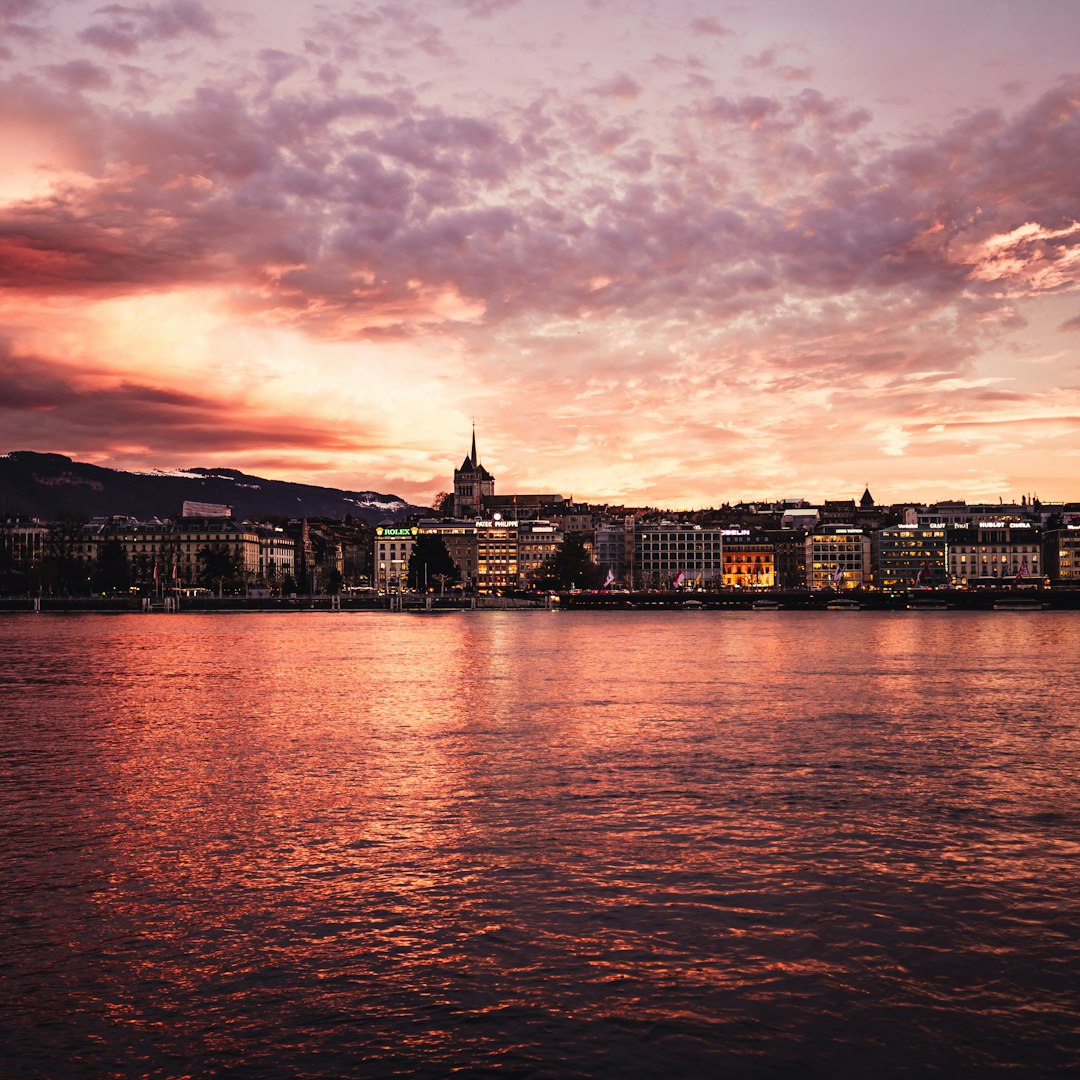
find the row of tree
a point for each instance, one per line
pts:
(59, 572)
(431, 567)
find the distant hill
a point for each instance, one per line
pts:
(51, 486)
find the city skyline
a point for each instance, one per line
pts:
(722, 255)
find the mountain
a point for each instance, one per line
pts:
(52, 486)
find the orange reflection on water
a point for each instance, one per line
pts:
(440, 838)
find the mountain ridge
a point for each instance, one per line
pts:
(51, 486)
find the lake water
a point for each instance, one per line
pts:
(529, 844)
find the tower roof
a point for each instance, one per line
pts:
(867, 499)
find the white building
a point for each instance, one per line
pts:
(393, 549)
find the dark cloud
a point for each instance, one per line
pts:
(1071, 324)
(619, 86)
(710, 26)
(125, 28)
(45, 402)
(80, 75)
(484, 9)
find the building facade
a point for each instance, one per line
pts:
(669, 555)
(909, 556)
(1063, 555)
(995, 554)
(393, 549)
(838, 557)
(748, 560)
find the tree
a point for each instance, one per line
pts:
(217, 568)
(572, 566)
(430, 561)
(112, 573)
(443, 503)
(62, 572)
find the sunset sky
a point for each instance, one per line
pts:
(678, 254)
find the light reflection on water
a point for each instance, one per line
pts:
(619, 844)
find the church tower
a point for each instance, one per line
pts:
(471, 483)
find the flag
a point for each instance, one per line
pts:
(680, 577)
(174, 569)
(924, 573)
(155, 571)
(1023, 571)
(838, 574)
(610, 577)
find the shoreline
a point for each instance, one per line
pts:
(930, 600)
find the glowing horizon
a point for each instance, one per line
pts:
(725, 254)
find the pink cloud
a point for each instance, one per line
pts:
(711, 27)
(125, 29)
(48, 403)
(620, 86)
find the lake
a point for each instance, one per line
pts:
(530, 844)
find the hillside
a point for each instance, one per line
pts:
(51, 486)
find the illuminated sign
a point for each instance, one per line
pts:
(390, 531)
(734, 532)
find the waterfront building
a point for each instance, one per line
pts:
(748, 560)
(906, 556)
(496, 555)
(995, 554)
(838, 557)
(668, 554)
(393, 549)
(460, 540)
(613, 545)
(538, 543)
(24, 543)
(277, 556)
(1063, 554)
(789, 556)
(472, 483)
(163, 556)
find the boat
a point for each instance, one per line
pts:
(765, 605)
(1019, 603)
(843, 605)
(927, 605)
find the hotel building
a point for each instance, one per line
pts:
(995, 553)
(748, 561)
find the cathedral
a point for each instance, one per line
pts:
(472, 482)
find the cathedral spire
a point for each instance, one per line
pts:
(473, 455)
